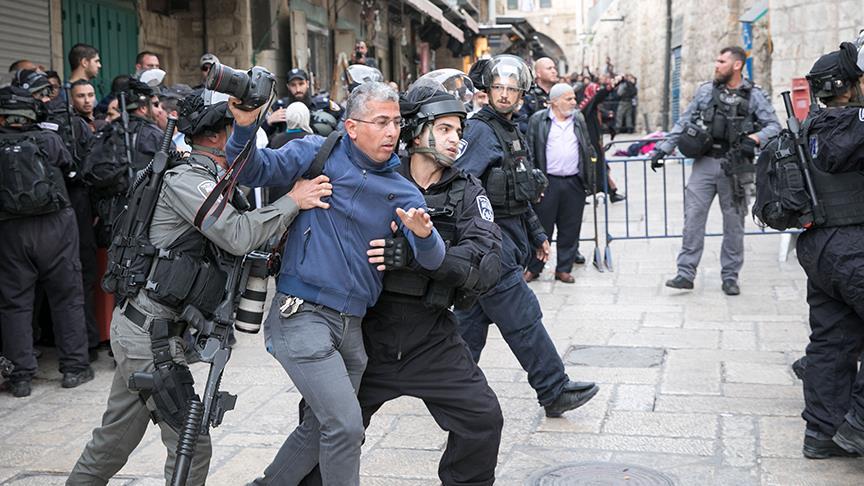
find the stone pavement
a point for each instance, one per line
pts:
(696, 386)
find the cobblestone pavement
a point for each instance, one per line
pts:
(695, 385)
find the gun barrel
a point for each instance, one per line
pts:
(169, 134)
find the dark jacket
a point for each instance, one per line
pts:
(538, 135)
(399, 325)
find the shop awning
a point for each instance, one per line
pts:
(428, 8)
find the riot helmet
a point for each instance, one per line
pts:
(507, 72)
(197, 116)
(420, 107)
(35, 82)
(358, 74)
(835, 73)
(322, 123)
(19, 107)
(136, 93)
(450, 80)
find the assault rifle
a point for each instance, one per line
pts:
(738, 164)
(802, 153)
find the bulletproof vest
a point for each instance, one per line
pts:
(444, 208)
(841, 196)
(186, 272)
(30, 184)
(728, 117)
(511, 183)
(139, 158)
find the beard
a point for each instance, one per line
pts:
(723, 78)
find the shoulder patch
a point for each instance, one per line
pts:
(206, 187)
(861, 115)
(485, 208)
(49, 126)
(463, 144)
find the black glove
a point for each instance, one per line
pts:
(656, 157)
(397, 253)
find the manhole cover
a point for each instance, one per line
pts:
(599, 474)
(614, 356)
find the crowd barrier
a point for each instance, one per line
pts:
(643, 220)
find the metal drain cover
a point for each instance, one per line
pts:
(598, 474)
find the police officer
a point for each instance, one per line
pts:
(410, 334)
(727, 119)
(537, 98)
(186, 184)
(39, 242)
(77, 138)
(299, 89)
(831, 256)
(144, 110)
(495, 151)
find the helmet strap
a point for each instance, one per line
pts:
(439, 158)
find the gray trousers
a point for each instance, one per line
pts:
(706, 180)
(322, 351)
(126, 417)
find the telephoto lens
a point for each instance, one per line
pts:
(250, 310)
(253, 88)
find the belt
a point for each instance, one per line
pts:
(563, 177)
(145, 322)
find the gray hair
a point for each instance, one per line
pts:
(363, 94)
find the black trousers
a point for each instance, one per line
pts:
(42, 249)
(561, 207)
(833, 259)
(457, 395)
(80, 201)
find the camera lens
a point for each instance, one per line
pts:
(250, 311)
(223, 79)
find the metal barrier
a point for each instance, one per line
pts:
(649, 227)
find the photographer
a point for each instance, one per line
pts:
(186, 184)
(299, 89)
(360, 52)
(326, 282)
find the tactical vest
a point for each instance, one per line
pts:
(186, 272)
(728, 117)
(410, 285)
(511, 183)
(841, 197)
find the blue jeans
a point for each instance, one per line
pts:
(514, 308)
(322, 351)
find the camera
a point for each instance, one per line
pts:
(358, 55)
(250, 311)
(253, 88)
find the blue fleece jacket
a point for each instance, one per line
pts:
(324, 260)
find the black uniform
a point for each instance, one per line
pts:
(320, 102)
(145, 137)
(413, 344)
(833, 258)
(79, 198)
(42, 248)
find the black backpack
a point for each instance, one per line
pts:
(106, 169)
(782, 200)
(29, 184)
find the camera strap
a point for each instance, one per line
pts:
(219, 197)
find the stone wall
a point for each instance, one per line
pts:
(804, 30)
(637, 45)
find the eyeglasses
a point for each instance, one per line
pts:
(381, 123)
(505, 89)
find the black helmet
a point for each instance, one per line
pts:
(358, 74)
(323, 123)
(420, 106)
(137, 94)
(834, 73)
(196, 117)
(33, 81)
(17, 102)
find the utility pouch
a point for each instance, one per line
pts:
(172, 278)
(496, 186)
(524, 186)
(438, 296)
(208, 289)
(406, 283)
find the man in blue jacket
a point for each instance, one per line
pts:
(326, 282)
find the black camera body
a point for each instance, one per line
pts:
(253, 87)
